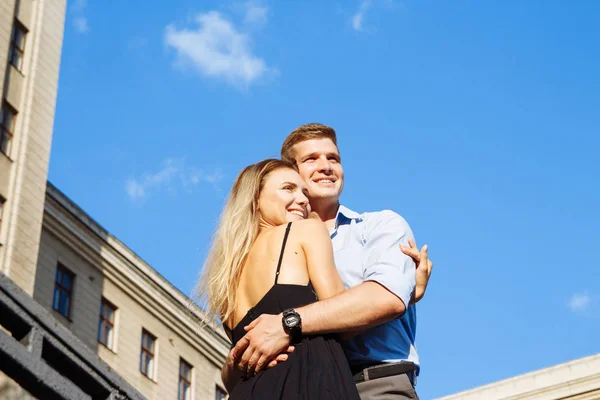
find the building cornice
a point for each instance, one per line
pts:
(575, 379)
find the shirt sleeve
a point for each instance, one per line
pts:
(385, 263)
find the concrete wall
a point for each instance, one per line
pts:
(7, 13)
(32, 92)
(23, 173)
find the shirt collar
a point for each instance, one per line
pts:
(345, 215)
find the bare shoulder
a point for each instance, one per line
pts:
(298, 230)
(301, 232)
(310, 232)
(310, 225)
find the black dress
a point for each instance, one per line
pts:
(317, 369)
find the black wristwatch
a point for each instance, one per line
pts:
(292, 324)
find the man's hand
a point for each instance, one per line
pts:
(231, 376)
(264, 341)
(424, 267)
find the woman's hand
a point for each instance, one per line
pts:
(424, 267)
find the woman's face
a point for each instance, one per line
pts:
(283, 198)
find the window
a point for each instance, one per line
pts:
(106, 325)
(2, 201)
(8, 115)
(63, 291)
(185, 381)
(147, 354)
(17, 45)
(220, 394)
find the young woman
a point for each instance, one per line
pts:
(267, 257)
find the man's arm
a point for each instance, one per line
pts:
(361, 307)
(230, 375)
(389, 283)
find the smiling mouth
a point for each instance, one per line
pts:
(324, 181)
(298, 213)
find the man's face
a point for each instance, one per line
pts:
(319, 165)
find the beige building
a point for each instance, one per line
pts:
(115, 303)
(31, 33)
(142, 326)
(574, 380)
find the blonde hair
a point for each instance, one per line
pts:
(303, 133)
(235, 233)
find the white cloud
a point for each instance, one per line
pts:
(217, 49)
(357, 19)
(195, 176)
(579, 302)
(80, 21)
(255, 13)
(78, 5)
(214, 177)
(134, 189)
(81, 24)
(174, 172)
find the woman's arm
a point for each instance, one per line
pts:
(318, 251)
(321, 265)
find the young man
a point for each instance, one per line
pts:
(380, 280)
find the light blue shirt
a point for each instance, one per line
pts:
(367, 248)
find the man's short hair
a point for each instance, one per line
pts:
(303, 133)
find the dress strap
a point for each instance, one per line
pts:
(228, 331)
(285, 237)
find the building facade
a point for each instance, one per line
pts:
(91, 283)
(575, 380)
(31, 33)
(142, 326)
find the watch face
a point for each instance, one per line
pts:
(291, 320)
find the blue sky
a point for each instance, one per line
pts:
(478, 121)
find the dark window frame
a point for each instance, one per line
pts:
(107, 341)
(7, 132)
(183, 391)
(147, 353)
(15, 48)
(220, 393)
(62, 289)
(2, 203)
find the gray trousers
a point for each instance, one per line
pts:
(395, 387)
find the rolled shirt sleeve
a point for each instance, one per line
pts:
(385, 263)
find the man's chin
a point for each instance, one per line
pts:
(324, 195)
